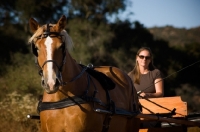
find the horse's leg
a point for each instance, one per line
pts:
(133, 125)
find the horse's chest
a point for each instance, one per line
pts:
(72, 119)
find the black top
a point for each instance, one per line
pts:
(147, 81)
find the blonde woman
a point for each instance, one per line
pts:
(146, 78)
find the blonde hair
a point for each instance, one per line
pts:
(135, 73)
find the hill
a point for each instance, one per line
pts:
(176, 36)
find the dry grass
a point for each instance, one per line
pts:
(13, 111)
(10, 125)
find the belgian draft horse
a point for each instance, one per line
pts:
(73, 99)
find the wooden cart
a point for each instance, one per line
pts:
(170, 111)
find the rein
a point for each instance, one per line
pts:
(76, 77)
(139, 92)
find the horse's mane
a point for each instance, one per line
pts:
(65, 37)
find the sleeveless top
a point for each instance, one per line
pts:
(147, 81)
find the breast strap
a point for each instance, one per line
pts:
(70, 101)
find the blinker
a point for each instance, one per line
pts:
(34, 49)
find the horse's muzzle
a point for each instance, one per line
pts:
(50, 86)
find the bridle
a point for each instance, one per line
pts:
(59, 74)
(46, 34)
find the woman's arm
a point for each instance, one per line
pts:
(159, 87)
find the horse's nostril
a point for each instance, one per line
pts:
(42, 83)
(40, 72)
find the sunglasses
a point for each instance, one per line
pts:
(142, 57)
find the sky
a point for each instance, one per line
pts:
(159, 13)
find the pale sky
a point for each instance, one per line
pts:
(176, 13)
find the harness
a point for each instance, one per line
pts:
(109, 108)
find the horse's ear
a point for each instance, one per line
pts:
(61, 24)
(33, 24)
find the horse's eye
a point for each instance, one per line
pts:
(39, 37)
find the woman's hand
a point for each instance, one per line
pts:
(144, 95)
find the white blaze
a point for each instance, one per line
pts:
(48, 43)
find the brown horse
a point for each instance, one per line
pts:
(74, 99)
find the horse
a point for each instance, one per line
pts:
(79, 98)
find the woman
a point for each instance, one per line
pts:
(146, 78)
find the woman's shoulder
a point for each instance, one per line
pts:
(156, 73)
(156, 70)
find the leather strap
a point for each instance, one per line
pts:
(60, 104)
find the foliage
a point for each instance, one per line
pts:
(97, 42)
(176, 36)
(21, 76)
(96, 10)
(11, 43)
(89, 40)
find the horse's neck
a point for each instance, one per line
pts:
(70, 69)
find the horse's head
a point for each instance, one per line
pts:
(49, 44)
